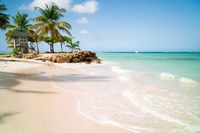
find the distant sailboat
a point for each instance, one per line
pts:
(136, 51)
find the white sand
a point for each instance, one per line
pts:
(45, 98)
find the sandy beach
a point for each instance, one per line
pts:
(44, 97)
(32, 102)
(99, 66)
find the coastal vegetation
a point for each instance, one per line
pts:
(48, 24)
(21, 22)
(25, 34)
(72, 45)
(4, 18)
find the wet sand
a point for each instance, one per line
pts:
(32, 102)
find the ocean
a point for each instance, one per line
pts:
(138, 92)
(163, 92)
(186, 65)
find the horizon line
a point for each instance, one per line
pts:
(148, 51)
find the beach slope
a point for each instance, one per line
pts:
(31, 100)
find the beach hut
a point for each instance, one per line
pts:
(20, 39)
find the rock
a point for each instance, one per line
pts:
(82, 56)
(88, 59)
(39, 58)
(88, 62)
(18, 56)
(59, 60)
(67, 60)
(43, 60)
(98, 61)
(30, 56)
(53, 59)
(75, 60)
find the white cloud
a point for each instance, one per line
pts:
(85, 33)
(41, 3)
(90, 6)
(82, 20)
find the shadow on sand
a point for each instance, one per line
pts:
(8, 80)
(3, 116)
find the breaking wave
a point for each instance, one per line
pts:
(167, 76)
(117, 69)
(187, 80)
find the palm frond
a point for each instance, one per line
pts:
(48, 24)
(2, 7)
(4, 18)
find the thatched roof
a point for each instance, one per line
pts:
(21, 33)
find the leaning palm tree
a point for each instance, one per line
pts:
(21, 22)
(35, 39)
(4, 18)
(70, 44)
(48, 24)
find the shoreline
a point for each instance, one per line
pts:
(30, 103)
(103, 97)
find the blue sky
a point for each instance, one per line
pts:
(124, 25)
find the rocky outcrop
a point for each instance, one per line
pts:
(79, 57)
(30, 56)
(18, 56)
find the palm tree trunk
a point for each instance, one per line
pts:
(51, 47)
(14, 43)
(38, 51)
(61, 45)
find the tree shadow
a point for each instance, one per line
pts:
(33, 92)
(3, 116)
(18, 60)
(79, 78)
(9, 79)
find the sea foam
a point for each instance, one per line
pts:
(167, 76)
(117, 69)
(187, 80)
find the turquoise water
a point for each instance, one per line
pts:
(163, 91)
(179, 64)
(139, 92)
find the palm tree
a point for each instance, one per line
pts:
(35, 39)
(21, 22)
(49, 41)
(62, 40)
(4, 18)
(71, 45)
(61, 46)
(49, 25)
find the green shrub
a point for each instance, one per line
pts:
(16, 51)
